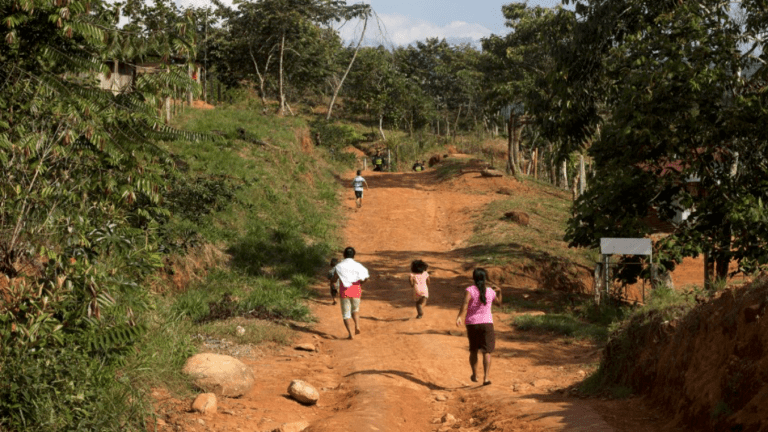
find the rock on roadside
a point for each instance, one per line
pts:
(222, 375)
(305, 347)
(292, 427)
(303, 392)
(205, 404)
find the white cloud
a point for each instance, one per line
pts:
(399, 29)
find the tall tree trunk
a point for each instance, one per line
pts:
(282, 89)
(723, 258)
(349, 67)
(564, 172)
(262, 76)
(513, 147)
(708, 270)
(190, 70)
(381, 126)
(582, 176)
(456, 124)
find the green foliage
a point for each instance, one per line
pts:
(335, 135)
(224, 295)
(627, 339)
(562, 324)
(676, 107)
(64, 389)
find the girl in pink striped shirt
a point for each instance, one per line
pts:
(419, 278)
(478, 299)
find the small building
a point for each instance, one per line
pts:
(121, 75)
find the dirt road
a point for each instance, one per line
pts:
(407, 374)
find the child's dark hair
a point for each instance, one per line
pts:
(418, 267)
(480, 276)
(349, 252)
(359, 172)
(334, 261)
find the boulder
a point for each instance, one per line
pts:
(303, 392)
(205, 403)
(518, 217)
(489, 172)
(448, 419)
(293, 427)
(434, 160)
(222, 375)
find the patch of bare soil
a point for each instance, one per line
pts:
(202, 105)
(708, 368)
(407, 374)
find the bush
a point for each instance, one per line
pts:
(335, 136)
(65, 389)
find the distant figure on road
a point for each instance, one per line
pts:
(478, 299)
(357, 184)
(378, 162)
(419, 278)
(351, 274)
(333, 285)
(418, 166)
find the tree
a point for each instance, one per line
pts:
(446, 74)
(677, 109)
(83, 175)
(518, 65)
(291, 34)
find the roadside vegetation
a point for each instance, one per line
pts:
(129, 225)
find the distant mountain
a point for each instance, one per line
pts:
(475, 43)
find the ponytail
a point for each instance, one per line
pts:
(480, 276)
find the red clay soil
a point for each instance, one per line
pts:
(407, 374)
(710, 367)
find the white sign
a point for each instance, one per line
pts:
(626, 246)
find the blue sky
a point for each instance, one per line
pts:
(401, 22)
(407, 21)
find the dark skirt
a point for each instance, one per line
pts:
(481, 337)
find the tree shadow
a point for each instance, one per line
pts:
(406, 375)
(282, 254)
(372, 318)
(313, 331)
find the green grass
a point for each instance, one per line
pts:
(566, 325)
(627, 336)
(502, 241)
(271, 209)
(256, 332)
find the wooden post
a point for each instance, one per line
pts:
(189, 90)
(565, 174)
(582, 176)
(606, 285)
(536, 164)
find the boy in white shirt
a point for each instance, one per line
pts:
(357, 184)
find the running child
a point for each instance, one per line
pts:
(333, 285)
(357, 185)
(419, 278)
(478, 318)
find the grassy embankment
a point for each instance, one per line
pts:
(262, 202)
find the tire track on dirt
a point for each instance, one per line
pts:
(399, 366)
